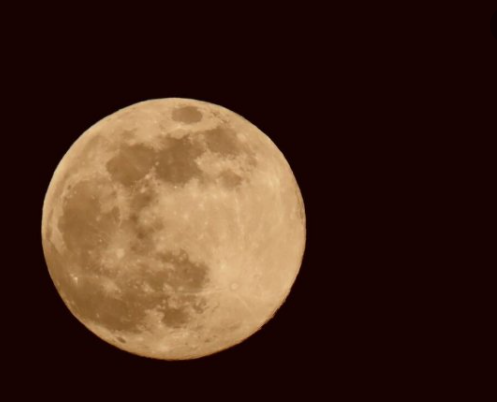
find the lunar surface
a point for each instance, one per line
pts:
(173, 229)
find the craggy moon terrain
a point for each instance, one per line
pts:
(173, 229)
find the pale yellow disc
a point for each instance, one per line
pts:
(173, 228)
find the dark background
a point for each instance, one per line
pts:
(365, 104)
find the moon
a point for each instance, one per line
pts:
(173, 229)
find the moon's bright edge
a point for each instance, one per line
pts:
(173, 229)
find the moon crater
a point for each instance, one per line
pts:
(187, 114)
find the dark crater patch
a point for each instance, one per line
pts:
(126, 310)
(131, 163)
(176, 161)
(230, 179)
(89, 301)
(84, 227)
(182, 273)
(173, 316)
(142, 233)
(187, 114)
(93, 303)
(184, 279)
(222, 140)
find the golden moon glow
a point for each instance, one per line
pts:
(173, 229)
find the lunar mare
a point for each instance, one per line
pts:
(173, 229)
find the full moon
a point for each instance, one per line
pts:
(173, 229)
